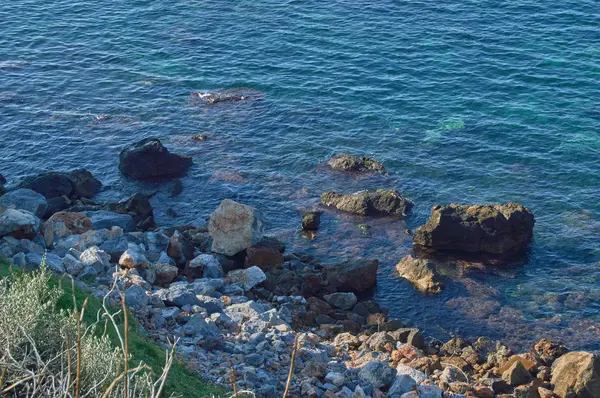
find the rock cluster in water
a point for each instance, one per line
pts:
(148, 159)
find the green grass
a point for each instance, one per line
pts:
(181, 381)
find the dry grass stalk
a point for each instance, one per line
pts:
(291, 372)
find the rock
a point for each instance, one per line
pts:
(139, 207)
(234, 227)
(136, 297)
(148, 159)
(247, 278)
(311, 221)
(354, 276)
(20, 224)
(353, 163)
(179, 248)
(429, 391)
(211, 304)
(165, 273)
(546, 351)
(421, 273)
(264, 255)
(24, 199)
(72, 265)
(2, 180)
(335, 378)
(402, 384)
(576, 372)
(496, 229)
(131, 259)
(453, 375)
(516, 374)
(344, 301)
(378, 374)
(415, 374)
(178, 295)
(85, 185)
(57, 204)
(95, 258)
(382, 202)
(104, 219)
(204, 266)
(51, 260)
(380, 341)
(115, 248)
(63, 224)
(198, 326)
(234, 94)
(314, 368)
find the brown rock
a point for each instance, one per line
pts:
(263, 256)
(311, 221)
(576, 372)
(354, 276)
(369, 203)
(497, 229)
(63, 224)
(516, 374)
(421, 273)
(483, 392)
(548, 351)
(353, 163)
(528, 364)
(545, 393)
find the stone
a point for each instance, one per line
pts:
(198, 326)
(380, 341)
(51, 260)
(179, 248)
(229, 95)
(138, 206)
(95, 258)
(378, 374)
(516, 374)
(136, 297)
(235, 227)
(264, 255)
(104, 219)
(453, 375)
(344, 301)
(115, 248)
(415, 374)
(311, 220)
(63, 224)
(133, 259)
(402, 384)
(335, 378)
(24, 199)
(355, 276)
(20, 224)
(178, 295)
(211, 304)
(421, 273)
(72, 265)
(247, 278)
(429, 391)
(547, 351)
(57, 204)
(148, 159)
(381, 202)
(576, 372)
(204, 266)
(314, 368)
(85, 185)
(164, 273)
(50, 185)
(353, 163)
(496, 229)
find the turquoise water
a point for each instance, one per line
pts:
(463, 101)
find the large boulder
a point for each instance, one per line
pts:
(495, 229)
(148, 159)
(20, 224)
(104, 219)
(247, 278)
(76, 184)
(24, 199)
(235, 227)
(266, 254)
(420, 272)
(369, 203)
(64, 224)
(577, 372)
(353, 163)
(353, 276)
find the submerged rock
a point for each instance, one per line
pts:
(578, 373)
(421, 273)
(228, 95)
(24, 199)
(76, 184)
(311, 221)
(369, 203)
(353, 163)
(496, 229)
(148, 159)
(234, 227)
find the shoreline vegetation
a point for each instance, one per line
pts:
(252, 318)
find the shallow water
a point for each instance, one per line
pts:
(470, 101)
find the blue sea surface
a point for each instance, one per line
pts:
(470, 101)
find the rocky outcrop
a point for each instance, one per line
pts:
(577, 373)
(369, 203)
(311, 221)
(235, 94)
(234, 227)
(76, 184)
(24, 199)
(353, 163)
(353, 276)
(495, 229)
(421, 273)
(148, 159)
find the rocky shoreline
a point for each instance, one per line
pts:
(240, 303)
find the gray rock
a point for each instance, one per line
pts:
(211, 304)
(378, 374)
(198, 326)
(254, 359)
(115, 248)
(402, 384)
(178, 295)
(248, 310)
(52, 261)
(207, 266)
(95, 258)
(133, 259)
(224, 321)
(452, 375)
(335, 378)
(19, 260)
(429, 391)
(24, 199)
(235, 227)
(104, 219)
(19, 223)
(136, 297)
(247, 278)
(415, 374)
(164, 273)
(345, 301)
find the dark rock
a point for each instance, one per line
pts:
(199, 239)
(148, 159)
(2, 180)
(179, 248)
(227, 95)
(85, 185)
(410, 336)
(496, 229)
(546, 351)
(78, 183)
(266, 254)
(354, 276)
(175, 189)
(353, 163)
(369, 203)
(311, 221)
(24, 199)
(57, 204)
(421, 273)
(139, 208)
